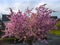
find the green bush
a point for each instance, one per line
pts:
(58, 25)
(56, 32)
(7, 40)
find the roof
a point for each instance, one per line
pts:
(4, 17)
(55, 17)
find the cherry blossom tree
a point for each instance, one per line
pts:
(21, 26)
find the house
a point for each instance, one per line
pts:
(58, 19)
(4, 17)
(54, 17)
(4, 20)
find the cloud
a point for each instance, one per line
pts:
(3, 9)
(52, 4)
(15, 5)
(23, 4)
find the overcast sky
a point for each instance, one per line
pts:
(23, 4)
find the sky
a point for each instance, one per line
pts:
(23, 4)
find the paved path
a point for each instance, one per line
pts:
(52, 40)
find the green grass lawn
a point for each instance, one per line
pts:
(55, 32)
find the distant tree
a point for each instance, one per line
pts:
(2, 27)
